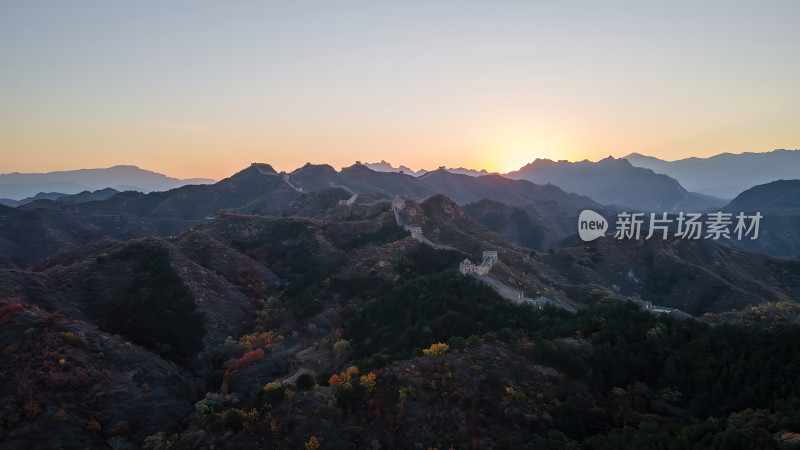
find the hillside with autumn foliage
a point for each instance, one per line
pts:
(297, 319)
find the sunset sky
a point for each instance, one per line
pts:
(202, 89)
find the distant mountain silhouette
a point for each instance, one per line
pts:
(312, 191)
(254, 190)
(40, 196)
(384, 166)
(470, 172)
(725, 175)
(21, 185)
(129, 214)
(85, 196)
(459, 187)
(617, 182)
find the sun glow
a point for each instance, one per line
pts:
(508, 160)
(510, 142)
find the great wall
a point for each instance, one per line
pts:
(481, 272)
(416, 232)
(353, 194)
(262, 169)
(467, 267)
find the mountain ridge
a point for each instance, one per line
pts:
(616, 182)
(17, 185)
(726, 174)
(276, 329)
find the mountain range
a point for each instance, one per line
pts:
(635, 182)
(278, 309)
(17, 186)
(695, 184)
(259, 189)
(498, 202)
(384, 166)
(617, 183)
(85, 196)
(725, 175)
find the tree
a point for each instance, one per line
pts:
(436, 349)
(304, 381)
(247, 360)
(369, 383)
(122, 428)
(93, 425)
(313, 443)
(340, 348)
(61, 415)
(32, 409)
(274, 392)
(457, 343)
(333, 380)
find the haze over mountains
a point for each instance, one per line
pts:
(85, 196)
(259, 189)
(725, 175)
(17, 186)
(636, 181)
(650, 184)
(617, 183)
(384, 166)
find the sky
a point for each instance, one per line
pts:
(202, 89)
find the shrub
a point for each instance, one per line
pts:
(369, 383)
(341, 347)
(32, 409)
(305, 381)
(345, 394)
(73, 339)
(333, 380)
(155, 440)
(263, 339)
(313, 443)
(61, 415)
(457, 343)
(208, 405)
(93, 425)
(247, 360)
(233, 419)
(378, 360)
(122, 428)
(436, 349)
(347, 374)
(274, 392)
(9, 310)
